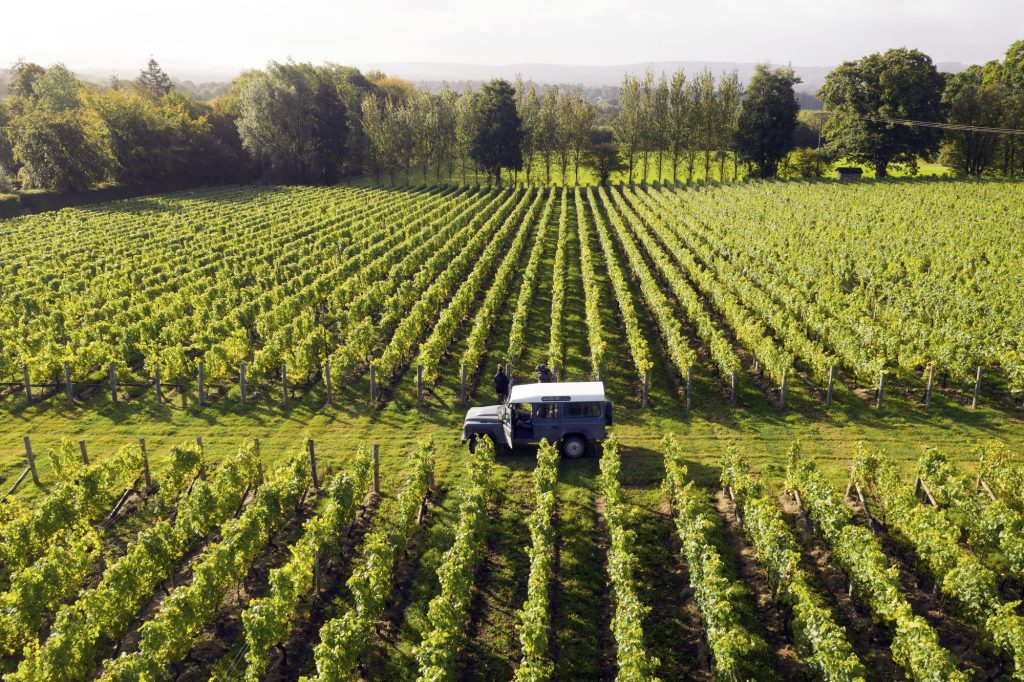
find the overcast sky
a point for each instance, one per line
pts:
(231, 34)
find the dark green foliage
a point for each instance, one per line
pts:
(59, 151)
(293, 122)
(767, 119)
(971, 100)
(605, 159)
(498, 141)
(900, 83)
(153, 80)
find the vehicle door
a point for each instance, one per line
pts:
(547, 422)
(506, 424)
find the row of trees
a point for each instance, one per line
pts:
(302, 123)
(58, 133)
(861, 98)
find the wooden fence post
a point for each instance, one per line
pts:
(156, 386)
(113, 383)
(85, 453)
(419, 384)
(977, 389)
(28, 383)
(689, 388)
(241, 380)
(373, 385)
(31, 461)
(312, 464)
(67, 383)
(327, 382)
(734, 398)
(831, 384)
(647, 384)
(928, 391)
(376, 468)
(284, 384)
(782, 389)
(462, 391)
(881, 389)
(202, 383)
(145, 464)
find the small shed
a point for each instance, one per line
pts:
(849, 172)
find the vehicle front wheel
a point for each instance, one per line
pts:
(472, 444)
(574, 447)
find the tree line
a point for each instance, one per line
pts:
(299, 123)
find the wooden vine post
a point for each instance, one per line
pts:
(689, 388)
(373, 385)
(977, 389)
(783, 387)
(327, 383)
(647, 384)
(85, 453)
(831, 384)
(284, 384)
(376, 468)
(881, 390)
(928, 391)
(28, 383)
(462, 389)
(419, 384)
(113, 383)
(145, 465)
(241, 380)
(67, 383)
(156, 386)
(31, 461)
(312, 464)
(202, 383)
(735, 394)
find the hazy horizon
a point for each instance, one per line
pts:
(217, 40)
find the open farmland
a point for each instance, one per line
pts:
(739, 319)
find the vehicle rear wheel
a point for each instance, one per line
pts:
(574, 447)
(472, 444)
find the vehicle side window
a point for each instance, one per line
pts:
(584, 410)
(546, 411)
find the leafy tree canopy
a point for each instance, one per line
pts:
(900, 83)
(498, 141)
(768, 117)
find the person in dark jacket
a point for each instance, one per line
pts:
(501, 385)
(544, 374)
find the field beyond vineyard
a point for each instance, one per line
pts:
(867, 321)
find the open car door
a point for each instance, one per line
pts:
(506, 424)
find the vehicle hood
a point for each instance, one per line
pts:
(488, 413)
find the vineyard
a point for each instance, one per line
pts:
(229, 434)
(254, 294)
(233, 571)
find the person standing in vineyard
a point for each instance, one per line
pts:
(544, 374)
(501, 384)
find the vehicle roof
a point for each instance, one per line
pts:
(567, 391)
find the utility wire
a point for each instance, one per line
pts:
(943, 126)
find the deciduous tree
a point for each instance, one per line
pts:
(767, 119)
(861, 95)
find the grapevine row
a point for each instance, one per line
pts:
(634, 661)
(534, 618)
(345, 641)
(819, 639)
(103, 612)
(591, 289)
(556, 344)
(620, 285)
(739, 651)
(446, 614)
(527, 287)
(267, 621)
(959, 574)
(915, 644)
